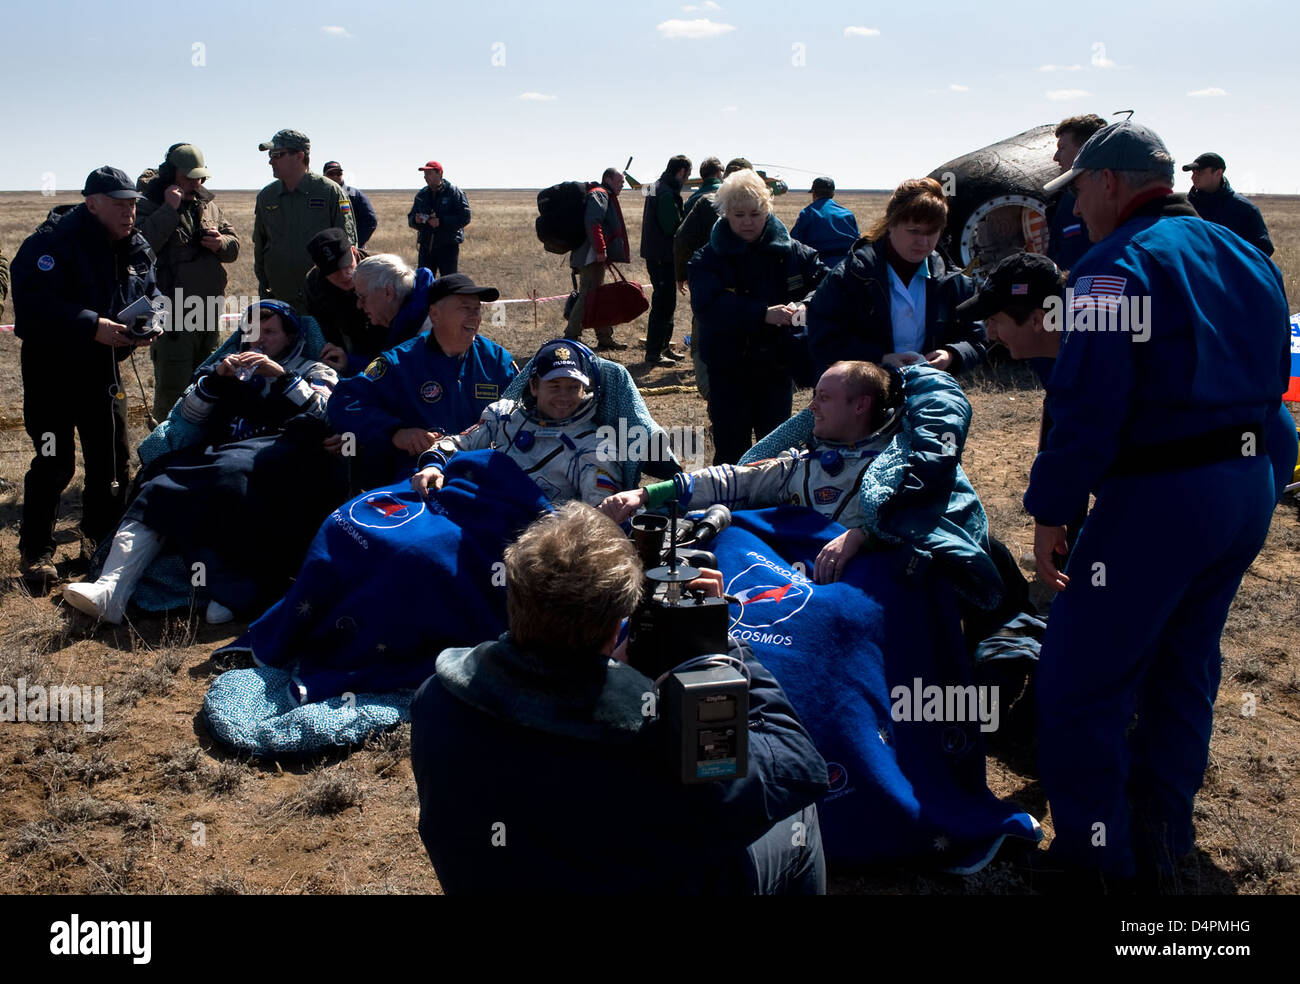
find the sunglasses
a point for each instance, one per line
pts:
(275, 155)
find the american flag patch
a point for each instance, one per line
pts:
(1100, 292)
(1019, 289)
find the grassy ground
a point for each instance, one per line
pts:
(150, 804)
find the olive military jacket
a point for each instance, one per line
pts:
(182, 262)
(284, 221)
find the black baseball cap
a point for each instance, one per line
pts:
(111, 182)
(459, 283)
(1208, 159)
(823, 185)
(328, 249)
(331, 166)
(1021, 278)
(561, 359)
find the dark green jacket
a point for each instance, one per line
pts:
(174, 237)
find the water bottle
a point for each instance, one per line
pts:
(245, 373)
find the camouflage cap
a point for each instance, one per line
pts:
(287, 140)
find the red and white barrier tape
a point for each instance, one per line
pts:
(227, 318)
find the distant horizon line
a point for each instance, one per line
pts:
(412, 190)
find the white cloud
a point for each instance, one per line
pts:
(1062, 94)
(958, 88)
(335, 31)
(536, 97)
(693, 30)
(691, 8)
(1211, 91)
(861, 32)
(1059, 68)
(731, 109)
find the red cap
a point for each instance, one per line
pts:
(431, 166)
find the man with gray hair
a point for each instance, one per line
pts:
(1172, 362)
(395, 300)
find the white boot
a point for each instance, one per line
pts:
(217, 613)
(134, 548)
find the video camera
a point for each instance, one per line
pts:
(678, 638)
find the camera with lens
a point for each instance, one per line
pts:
(678, 637)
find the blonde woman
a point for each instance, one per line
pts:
(748, 288)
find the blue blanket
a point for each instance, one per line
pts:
(391, 580)
(253, 711)
(909, 789)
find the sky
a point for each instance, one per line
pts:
(526, 94)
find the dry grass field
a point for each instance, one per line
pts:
(121, 810)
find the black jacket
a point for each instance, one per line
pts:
(560, 781)
(849, 316)
(733, 283)
(334, 309)
(662, 209)
(67, 275)
(1232, 209)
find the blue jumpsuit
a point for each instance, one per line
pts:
(1158, 422)
(417, 385)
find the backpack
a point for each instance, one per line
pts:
(560, 211)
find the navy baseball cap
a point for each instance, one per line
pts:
(560, 359)
(111, 182)
(1126, 146)
(459, 283)
(1028, 278)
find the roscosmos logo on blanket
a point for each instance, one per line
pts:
(383, 511)
(769, 594)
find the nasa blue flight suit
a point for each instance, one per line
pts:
(416, 384)
(1168, 432)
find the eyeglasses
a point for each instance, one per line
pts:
(275, 155)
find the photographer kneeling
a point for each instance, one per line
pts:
(541, 768)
